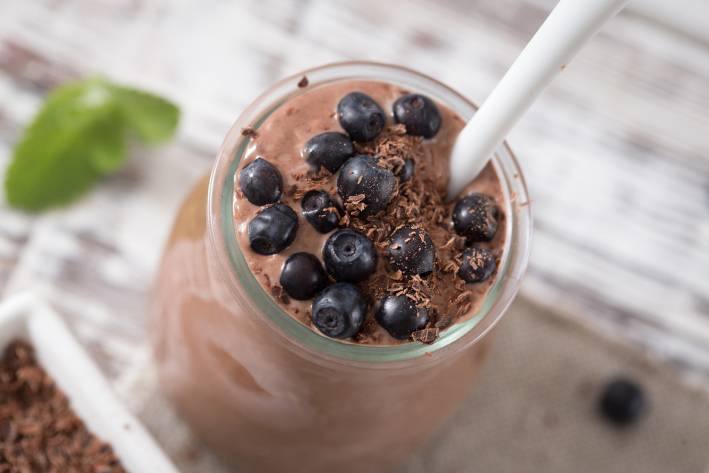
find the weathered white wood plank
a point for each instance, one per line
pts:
(685, 18)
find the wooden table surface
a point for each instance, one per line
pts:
(616, 152)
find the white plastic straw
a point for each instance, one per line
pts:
(569, 26)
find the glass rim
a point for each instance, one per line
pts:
(222, 238)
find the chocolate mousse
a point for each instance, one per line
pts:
(340, 212)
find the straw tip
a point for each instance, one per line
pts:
(463, 170)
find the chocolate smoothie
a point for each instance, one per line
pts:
(319, 307)
(298, 160)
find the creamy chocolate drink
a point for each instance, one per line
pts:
(317, 177)
(243, 360)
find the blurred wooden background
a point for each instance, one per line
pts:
(616, 152)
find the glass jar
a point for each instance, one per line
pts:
(268, 393)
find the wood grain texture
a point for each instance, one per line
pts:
(616, 152)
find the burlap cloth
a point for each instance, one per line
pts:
(533, 410)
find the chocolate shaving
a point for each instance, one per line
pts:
(38, 429)
(248, 131)
(448, 244)
(303, 82)
(427, 335)
(312, 177)
(280, 294)
(354, 205)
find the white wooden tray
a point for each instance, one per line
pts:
(26, 317)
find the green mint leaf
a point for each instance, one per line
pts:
(77, 137)
(152, 118)
(105, 146)
(50, 164)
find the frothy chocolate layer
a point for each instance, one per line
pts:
(418, 202)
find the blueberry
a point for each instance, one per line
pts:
(320, 210)
(303, 276)
(361, 175)
(475, 217)
(400, 316)
(339, 310)
(478, 265)
(622, 402)
(261, 182)
(419, 114)
(349, 256)
(272, 229)
(329, 150)
(411, 251)
(360, 116)
(407, 171)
